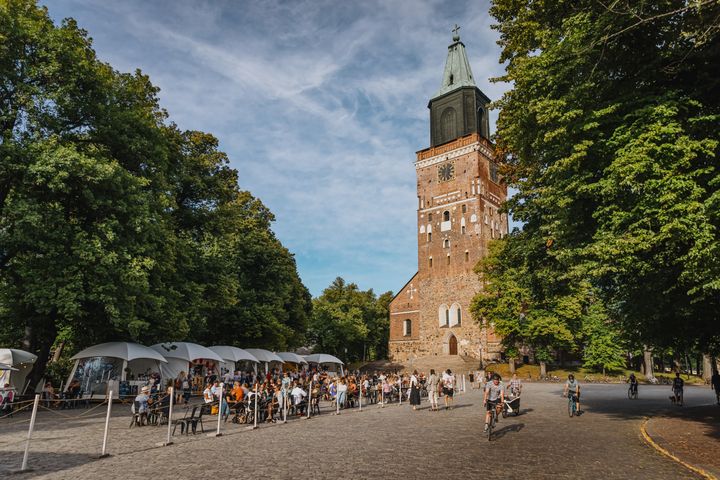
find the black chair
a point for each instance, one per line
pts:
(185, 422)
(138, 418)
(194, 421)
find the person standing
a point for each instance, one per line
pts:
(432, 389)
(448, 387)
(715, 384)
(414, 390)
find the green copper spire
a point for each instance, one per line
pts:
(457, 68)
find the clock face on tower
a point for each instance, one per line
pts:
(446, 172)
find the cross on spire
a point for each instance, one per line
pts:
(456, 34)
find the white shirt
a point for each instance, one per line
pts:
(208, 395)
(413, 380)
(342, 387)
(298, 394)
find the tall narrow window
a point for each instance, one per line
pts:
(446, 216)
(467, 256)
(462, 229)
(429, 217)
(430, 262)
(459, 316)
(448, 259)
(464, 207)
(429, 237)
(447, 317)
(446, 243)
(494, 172)
(407, 328)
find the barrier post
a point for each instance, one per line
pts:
(400, 391)
(104, 453)
(463, 383)
(285, 405)
(24, 466)
(309, 402)
(337, 398)
(359, 385)
(220, 410)
(256, 407)
(170, 413)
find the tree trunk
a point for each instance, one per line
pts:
(648, 364)
(40, 333)
(543, 370)
(707, 367)
(511, 364)
(58, 351)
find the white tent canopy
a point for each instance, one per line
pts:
(291, 357)
(124, 350)
(264, 355)
(21, 361)
(186, 351)
(233, 354)
(179, 354)
(102, 367)
(323, 358)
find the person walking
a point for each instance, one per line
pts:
(448, 388)
(414, 390)
(715, 383)
(432, 388)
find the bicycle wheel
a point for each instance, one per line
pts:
(630, 393)
(571, 407)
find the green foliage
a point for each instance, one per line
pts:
(114, 224)
(350, 323)
(610, 135)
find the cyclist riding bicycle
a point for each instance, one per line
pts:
(633, 383)
(492, 397)
(572, 387)
(677, 388)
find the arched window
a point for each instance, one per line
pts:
(446, 243)
(447, 124)
(443, 316)
(455, 314)
(446, 216)
(407, 327)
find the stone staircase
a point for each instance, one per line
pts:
(457, 363)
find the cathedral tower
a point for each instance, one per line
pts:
(459, 194)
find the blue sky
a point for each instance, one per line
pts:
(320, 105)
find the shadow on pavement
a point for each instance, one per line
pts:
(501, 432)
(41, 463)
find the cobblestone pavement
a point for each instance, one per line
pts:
(692, 435)
(378, 442)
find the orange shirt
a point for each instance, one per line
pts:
(238, 393)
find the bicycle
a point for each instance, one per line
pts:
(572, 404)
(633, 392)
(493, 417)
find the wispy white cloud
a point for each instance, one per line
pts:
(320, 105)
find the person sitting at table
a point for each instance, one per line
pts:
(238, 394)
(140, 405)
(6, 398)
(298, 394)
(48, 395)
(207, 394)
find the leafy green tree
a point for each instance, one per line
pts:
(349, 322)
(114, 224)
(610, 135)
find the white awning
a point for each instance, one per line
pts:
(186, 351)
(291, 357)
(125, 350)
(323, 358)
(264, 355)
(233, 354)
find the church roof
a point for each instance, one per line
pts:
(457, 69)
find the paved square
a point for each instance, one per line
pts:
(376, 443)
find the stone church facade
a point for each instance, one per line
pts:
(459, 194)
